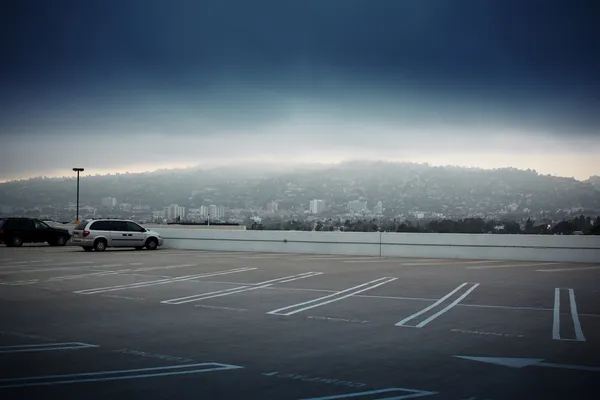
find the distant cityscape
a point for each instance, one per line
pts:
(352, 196)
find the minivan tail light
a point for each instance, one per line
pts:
(86, 233)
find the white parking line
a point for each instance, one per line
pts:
(437, 303)
(239, 289)
(329, 258)
(70, 277)
(398, 394)
(321, 301)
(160, 281)
(510, 265)
(44, 347)
(165, 267)
(448, 263)
(29, 271)
(19, 264)
(287, 277)
(567, 269)
(574, 316)
(20, 283)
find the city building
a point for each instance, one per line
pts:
(272, 207)
(174, 212)
(109, 202)
(158, 214)
(203, 211)
(216, 212)
(378, 209)
(317, 206)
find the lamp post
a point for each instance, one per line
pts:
(78, 170)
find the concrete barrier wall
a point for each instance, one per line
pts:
(492, 247)
(429, 245)
(349, 243)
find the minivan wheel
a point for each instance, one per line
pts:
(100, 245)
(16, 241)
(61, 241)
(151, 244)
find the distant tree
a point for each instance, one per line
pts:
(529, 226)
(580, 223)
(511, 227)
(564, 228)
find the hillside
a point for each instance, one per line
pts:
(401, 187)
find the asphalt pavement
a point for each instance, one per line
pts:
(126, 324)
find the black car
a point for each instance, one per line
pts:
(16, 231)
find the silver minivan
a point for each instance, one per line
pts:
(102, 233)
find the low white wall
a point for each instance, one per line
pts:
(428, 245)
(492, 247)
(351, 243)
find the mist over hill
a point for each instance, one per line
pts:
(402, 188)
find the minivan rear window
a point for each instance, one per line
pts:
(81, 225)
(101, 226)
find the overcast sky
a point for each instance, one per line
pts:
(140, 85)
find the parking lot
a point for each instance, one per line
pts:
(206, 325)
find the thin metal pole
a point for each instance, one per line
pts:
(77, 219)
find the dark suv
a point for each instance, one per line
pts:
(16, 231)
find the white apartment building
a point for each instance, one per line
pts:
(109, 202)
(317, 206)
(272, 207)
(216, 212)
(173, 211)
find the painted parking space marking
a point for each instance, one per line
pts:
(26, 335)
(514, 362)
(20, 264)
(65, 277)
(568, 269)
(239, 289)
(579, 337)
(29, 271)
(162, 267)
(336, 319)
(314, 379)
(160, 281)
(26, 348)
(155, 356)
(329, 258)
(511, 265)
(221, 308)
(374, 261)
(337, 296)
(408, 394)
(103, 376)
(484, 333)
(438, 303)
(20, 283)
(432, 263)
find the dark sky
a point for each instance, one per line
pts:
(159, 83)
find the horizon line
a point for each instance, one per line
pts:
(288, 165)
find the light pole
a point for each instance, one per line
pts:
(78, 170)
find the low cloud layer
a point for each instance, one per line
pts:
(149, 84)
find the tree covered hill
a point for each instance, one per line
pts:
(401, 187)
